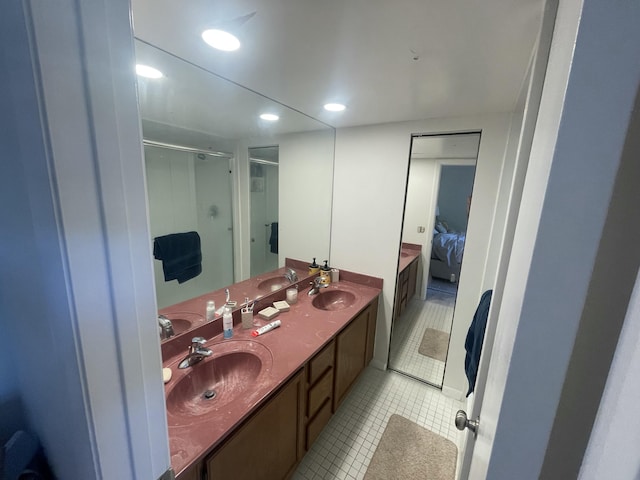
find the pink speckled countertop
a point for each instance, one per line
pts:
(304, 331)
(408, 253)
(193, 310)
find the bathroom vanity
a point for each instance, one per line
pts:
(273, 394)
(407, 276)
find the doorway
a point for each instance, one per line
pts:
(263, 187)
(437, 204)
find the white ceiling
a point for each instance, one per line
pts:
(471, 55)
(190, 106)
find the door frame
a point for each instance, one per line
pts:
(521, 424)
(537, 69)
(430, 222)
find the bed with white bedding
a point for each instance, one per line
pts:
(446, 255)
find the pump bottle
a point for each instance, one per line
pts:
(227, 323)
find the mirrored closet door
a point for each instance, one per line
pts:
(438, 198)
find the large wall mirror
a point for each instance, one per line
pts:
(438, 199)
(243, 183)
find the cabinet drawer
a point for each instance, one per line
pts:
(321, 362)
(315, 426)
(320, 392)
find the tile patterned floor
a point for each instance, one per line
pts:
(437, 313)
(345, 447)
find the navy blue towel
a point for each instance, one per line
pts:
(180, 255)
(273, 239)
(475, 337)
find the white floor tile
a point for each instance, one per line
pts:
(436, 313)
(345, 446)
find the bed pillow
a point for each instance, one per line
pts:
(440, 228)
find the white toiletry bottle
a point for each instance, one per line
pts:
(227, 323)
(211, 310)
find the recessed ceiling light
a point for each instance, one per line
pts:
(270, 117)
(221, 40)
(148, 72)
(334, 107)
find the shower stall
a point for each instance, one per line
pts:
(191, 190)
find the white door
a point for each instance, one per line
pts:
(476, 450)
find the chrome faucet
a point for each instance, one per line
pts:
(197, 352)
(166, 328)
(291, 275)
(316, 285)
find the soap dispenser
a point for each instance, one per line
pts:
(314, 267)
(227, 322)
(325, 274)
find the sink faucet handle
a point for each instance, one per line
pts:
(197, 345)
(166, 327)
(291, 275)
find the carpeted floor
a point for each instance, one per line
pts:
(442, 286)
(408, 451)
(434, 344)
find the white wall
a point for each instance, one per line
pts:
(370, 179)
(421, 185)
(80, 297)
(32, 297)
(506, 190)
(420, 212)
(305, 187)
(456, 184)
(617, 427)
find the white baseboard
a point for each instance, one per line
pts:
(452, 393)
(378, 364)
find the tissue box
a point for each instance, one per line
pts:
(282, 306)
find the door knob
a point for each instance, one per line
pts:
(462, 422)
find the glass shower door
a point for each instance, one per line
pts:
(190, 191)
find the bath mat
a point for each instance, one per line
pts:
(434, 344)
(407, 450)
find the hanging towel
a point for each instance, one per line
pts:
(180, 255)
(22, 457)
(475, 337)
(273, 239)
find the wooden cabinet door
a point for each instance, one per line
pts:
(194, 473)
(267, 446)
(413, 279)
(398, 306)
(371, 330)
(350, 355)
